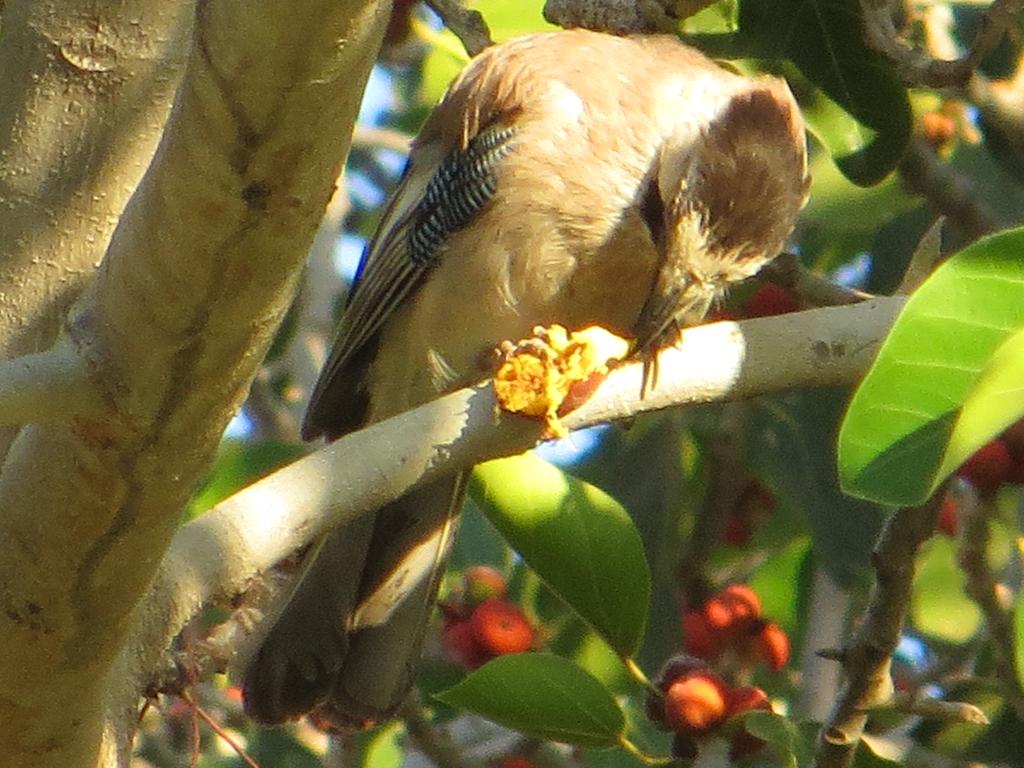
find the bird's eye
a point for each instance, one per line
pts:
(652, 209)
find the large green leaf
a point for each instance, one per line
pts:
(544, 696)
(861, 112)
(994, 402)
(576, 537)
(938, 368)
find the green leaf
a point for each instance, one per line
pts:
(793, 744)
(543, 696)
(576, 537)
(940, 607)
(994, 403)
(861, 112)
(893, 442)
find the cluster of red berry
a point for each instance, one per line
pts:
(482, 624)
(696, 700)
(730, 621)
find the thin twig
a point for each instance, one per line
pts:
(923, 261)
(992, 597)
(370, 137)
(727, 476)
(814, 289)
(948, 193)
(868, 658)
(219, 730)
(916, 66)
(466, 24)
(936, 709)
(432, 741)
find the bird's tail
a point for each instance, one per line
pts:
(348, 641)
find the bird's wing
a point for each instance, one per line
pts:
(439, 194)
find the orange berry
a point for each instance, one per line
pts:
(732, 610)
(949, 516)
(699, 638)
(769, 300)
(771, 644)
(482, 582)
(500, 628)
(233, 692)
(695, 703)
(938, 129)
(989, 467)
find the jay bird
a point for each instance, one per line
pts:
(567, 177)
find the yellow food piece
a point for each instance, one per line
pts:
(537, 374)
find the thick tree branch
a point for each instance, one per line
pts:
(219, 555)
(198, 273)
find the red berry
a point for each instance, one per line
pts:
(989, 467)
(695, 703)
(461, 646)
(949, 516)
(481, 582)
(699, 639)
(515, 761)
(500, 628)
(732, 610)
(745, 699)
(771, 644)
(769, 300)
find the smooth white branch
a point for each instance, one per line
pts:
(218, 555)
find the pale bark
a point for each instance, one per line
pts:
(171, 332)
(85, 90)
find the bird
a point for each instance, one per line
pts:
(570, 177)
